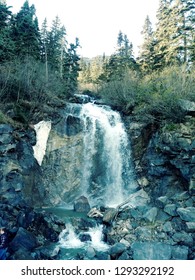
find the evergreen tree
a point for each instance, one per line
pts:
(6, 44)
(71, 66)
(44, 47)
(146, 54)
(26, 32)
(121, 60)
(56, 45)
(175, 32)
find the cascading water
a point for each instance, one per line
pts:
(107, 173)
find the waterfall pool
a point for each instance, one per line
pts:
(75, 239)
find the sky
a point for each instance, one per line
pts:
(96, 22)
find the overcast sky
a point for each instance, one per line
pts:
(96, 22)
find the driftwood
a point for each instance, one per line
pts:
(94, 213)
(112, 213)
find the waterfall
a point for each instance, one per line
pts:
(107, 172)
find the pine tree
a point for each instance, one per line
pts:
(6, 43)
(70, 70)
(175, 32)
(56, 45)
(44, 47)
(146, 54)
(26, 32)
(121, 60)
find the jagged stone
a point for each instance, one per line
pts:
(170, 209)
(187, 214)
(151, 251)
(23, 239)
(82, 204)
(179, 253)
(151, 214)
(117, 249)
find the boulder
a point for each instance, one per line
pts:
(188, 106)
(81, 204)
(170, 209)
(151, 214)
(109, 215)
(151, 251)
(190, 226)
(187, 214)
(23, 239)
(179, 253)
(117, 249)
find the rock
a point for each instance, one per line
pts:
(183, 238)
(81, 204)
(188, 106)
(161, 201)
(192, 186)
(151, 214)
(5, 129)
(23, 239)
(124, 256)
(117, 249)
(49, 252)
(190, 226)
(22, 254)
(187, 214)
(84, 237)
(151, 251)
(109, 215)
(179, 253)
(102, 256)
(90, 253)
(170, 209)
(139, 198)
(167, 227)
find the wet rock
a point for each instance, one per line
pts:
(183, 238)
(90, 253)
(81, 204)
(109, 215)
(167, 227)
(190, 226)
(49, 252)
(151, 214)
(84, 237)
(117, 249)
(151, 251)
(179, 253)
(22, 254)
(187, 214)
(170, 209)
(23, 239)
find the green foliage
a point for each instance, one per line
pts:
(122, 94)
(24, 88)
(155, 97)
(121, 61)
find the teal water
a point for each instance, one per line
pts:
(69, 245)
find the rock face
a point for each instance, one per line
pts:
(61, 167)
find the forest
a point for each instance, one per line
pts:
(41, 70)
